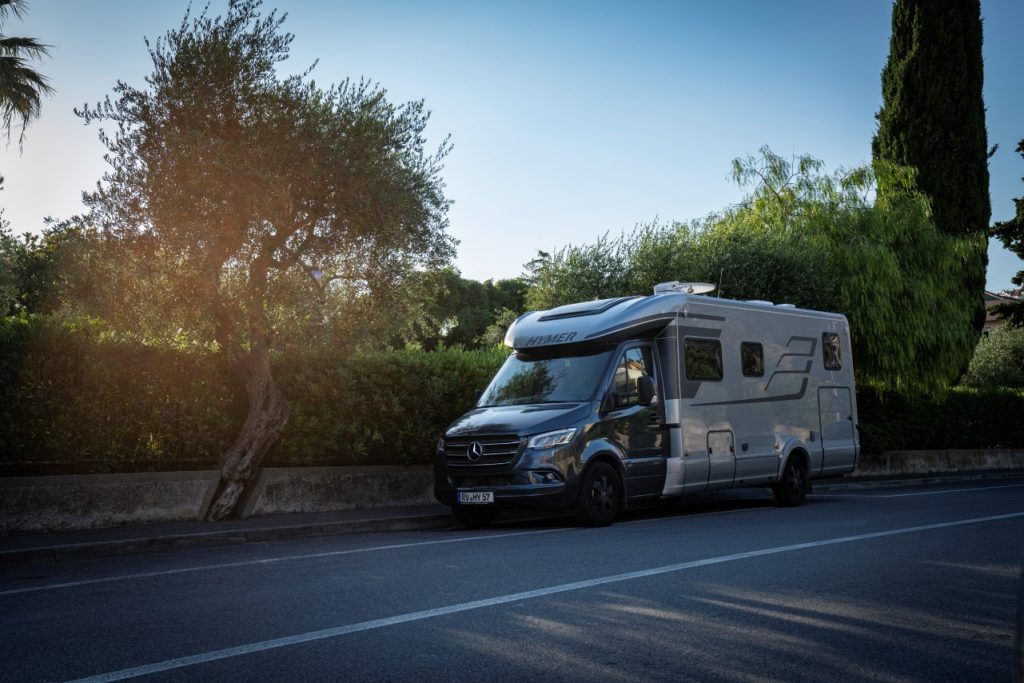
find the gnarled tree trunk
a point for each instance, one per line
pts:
(266, 417)
(268, 410)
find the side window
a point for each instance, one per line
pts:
(703, 359)
(752, 359)
(635, 362)
(833, 355)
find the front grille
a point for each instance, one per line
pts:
(494, 450)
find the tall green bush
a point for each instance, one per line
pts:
(71, 401)
(998, 360)
(959, 418)
(384, 407)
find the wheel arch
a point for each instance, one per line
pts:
(616, 464)
(790, 448)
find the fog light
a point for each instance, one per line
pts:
(543, 477)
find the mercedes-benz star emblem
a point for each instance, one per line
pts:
(475, 451)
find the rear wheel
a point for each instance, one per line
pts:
(600, 495)
(474, 517)
(792, 487)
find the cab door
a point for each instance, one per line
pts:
(638, 429)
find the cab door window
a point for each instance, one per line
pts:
(633, 364)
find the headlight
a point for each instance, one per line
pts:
(552, 439)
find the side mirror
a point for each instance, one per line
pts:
(646, 391)
(476, 395)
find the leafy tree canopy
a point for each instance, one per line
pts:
(33, 279)
(230, 186)
(827, 241)
(457, 311)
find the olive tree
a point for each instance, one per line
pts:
(230, 183)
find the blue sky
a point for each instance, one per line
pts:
(569, 119)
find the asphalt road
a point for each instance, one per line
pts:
(884, 584)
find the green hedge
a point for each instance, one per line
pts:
(382, 408)
(957, 418)
(70, 403)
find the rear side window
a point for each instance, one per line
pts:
(752, 359)
(833, 355)
(703, 359)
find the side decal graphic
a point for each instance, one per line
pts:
(798, 394)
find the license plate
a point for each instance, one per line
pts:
(476, 497)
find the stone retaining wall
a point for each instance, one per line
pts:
(90, 501)
(900, 463)
(93, 501)
(103, 500)
(319, 489)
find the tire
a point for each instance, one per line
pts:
(792, 488)
(474, 517)
(600, 496)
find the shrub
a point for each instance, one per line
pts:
(380, 408)
(72, 403)
(962, 417)
(998, 359)
(69, 402)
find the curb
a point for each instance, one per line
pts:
(74, 551)
(891, 482)
(204, 539)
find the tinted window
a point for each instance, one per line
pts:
(532, 378)
(703, 359)
(833, 355)
(752, 359)
(634, 364)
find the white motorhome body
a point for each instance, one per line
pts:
(795, 393)
(675, 393)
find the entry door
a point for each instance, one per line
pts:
(638, 429)
(837, 439)
(722, 458)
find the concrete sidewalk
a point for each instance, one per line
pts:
(65, 545)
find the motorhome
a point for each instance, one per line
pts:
(607, 403)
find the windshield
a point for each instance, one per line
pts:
(532, 378)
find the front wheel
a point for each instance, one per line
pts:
(474, 517)
(792, 487)
(600, 495)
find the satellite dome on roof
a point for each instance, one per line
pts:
(684, 287)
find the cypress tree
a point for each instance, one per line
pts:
(933, 119)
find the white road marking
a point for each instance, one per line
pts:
(919, 493)
(312, 636)
(939, 493)
(269, 560)
(315, 556)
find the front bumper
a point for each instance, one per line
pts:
(548, 496)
